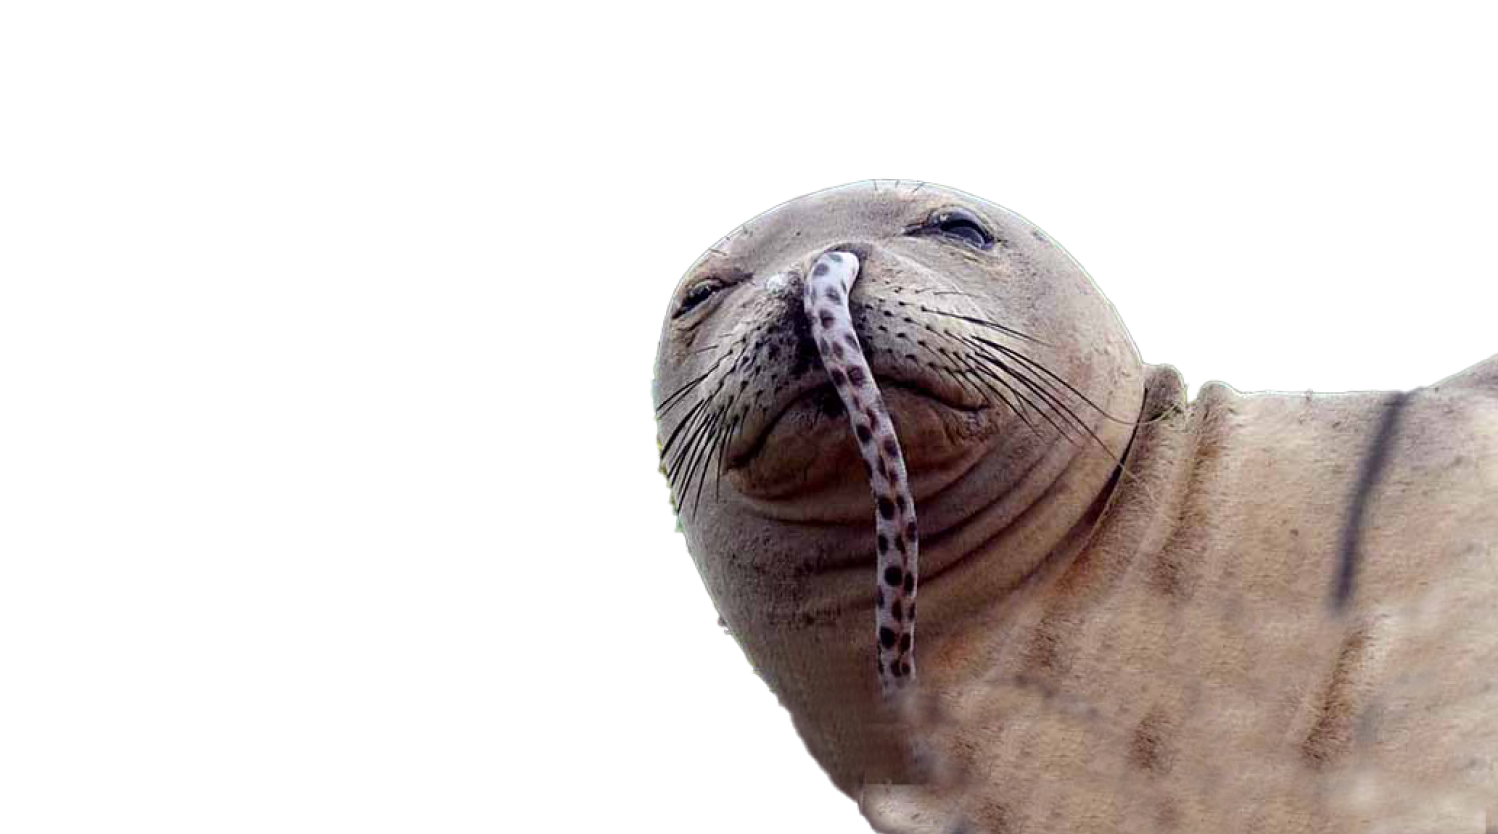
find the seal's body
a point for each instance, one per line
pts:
(1248, 612)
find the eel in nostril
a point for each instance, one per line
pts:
(825, 300)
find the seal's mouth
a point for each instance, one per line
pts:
(820, 407)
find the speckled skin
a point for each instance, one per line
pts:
(896, 546)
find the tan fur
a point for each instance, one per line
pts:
(1158, 651)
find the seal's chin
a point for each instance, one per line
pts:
(808, 446)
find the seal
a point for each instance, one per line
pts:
(1236, 612)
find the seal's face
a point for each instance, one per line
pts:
(955, 305)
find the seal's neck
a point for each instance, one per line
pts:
(989, 536)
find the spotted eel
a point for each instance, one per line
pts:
(825, 301)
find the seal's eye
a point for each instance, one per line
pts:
(963, 226)
(955, 224)
(694, 297)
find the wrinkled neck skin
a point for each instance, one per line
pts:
(993, 529)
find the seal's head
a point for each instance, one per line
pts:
(1011, 385)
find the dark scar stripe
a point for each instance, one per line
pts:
(1374, 462)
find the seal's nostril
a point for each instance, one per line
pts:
(861, 251)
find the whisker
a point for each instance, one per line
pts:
(1046, 394)
(685, 421)
(694, 449)
(710, 448)
(977, 372)
(734, 425)
(1022, 358)
(682, 454)
(1060, 408)
(724, 437)
(676, 396)
(980, 374)
(1044, 415)
(991, 325)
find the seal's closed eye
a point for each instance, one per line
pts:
(959, 225)
(695, 296)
